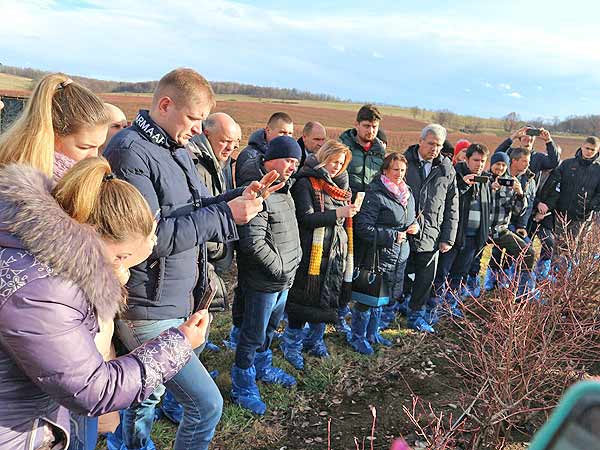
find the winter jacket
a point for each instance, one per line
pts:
(383, 213)
(506, 203)
(528, 185)
(305, 152)
(55, 285)
(575, 188)
(465, 193)
(269, 249)
(145, 156)
(539, 161)
(335, 245)
(257, 146)
(220, 255)
(365, 164)
(436, 201)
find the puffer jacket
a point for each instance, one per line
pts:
(575, 188)
(436, 201)
(528, 184)
(257, 146)
(365, 164)
(163, 171)
(55, 285)
(382, 214)
(321, 308)
(269, 249)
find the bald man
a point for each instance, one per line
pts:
(118, 121)
(313, 137)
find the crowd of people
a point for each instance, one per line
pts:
(114, 239)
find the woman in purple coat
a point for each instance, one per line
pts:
(59, 248)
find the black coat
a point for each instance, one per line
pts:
(269, 247)
(436, 201)
(465, 193)
(574, 187)
(257, 146)
(335, 246)
(381, 211)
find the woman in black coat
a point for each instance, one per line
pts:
(324, 214)
(387, 216)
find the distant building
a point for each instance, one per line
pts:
(13, 105)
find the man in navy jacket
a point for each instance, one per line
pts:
(151, 156)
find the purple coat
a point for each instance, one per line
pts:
(54, 283)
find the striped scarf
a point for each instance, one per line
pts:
(316, 251)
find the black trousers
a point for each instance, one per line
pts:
(424, 267)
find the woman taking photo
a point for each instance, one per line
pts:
(61, 249)
(324, 212)
(387, 215)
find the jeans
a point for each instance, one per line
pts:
(424, 266)
(192, 387)
(262, 313)
(84, 432)
(454, 265)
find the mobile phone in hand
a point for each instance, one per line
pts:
(358, 201)
(509, 182)
(533, 132)
(481, 179)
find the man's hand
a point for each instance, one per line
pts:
(195, 328)
(400, 237)
(468, 179)
(545, 135)
(244, 210)
(263, 188)
(522, 232)
(517, 186)
(444, 247)
(495, 186)
(413, 229)
(542, 208)
(518, 134)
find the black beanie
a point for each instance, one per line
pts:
(283, 147)
(500, 156)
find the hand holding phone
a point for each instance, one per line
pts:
(358, 201)
(533, 132)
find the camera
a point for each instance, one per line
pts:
(533, 132)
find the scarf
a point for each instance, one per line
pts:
(62, 163)
(400, 191)
(316, 251)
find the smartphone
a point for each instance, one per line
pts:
(510, 182)
(574, 423)
(208, 296)
(533, 132)
(481, 179)
(358, 201)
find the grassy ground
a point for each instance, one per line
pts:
(13, 82)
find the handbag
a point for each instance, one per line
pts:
(368, 286)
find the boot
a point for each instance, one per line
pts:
(234, 337)
(542, 269)
(491, 279)
(291, 346)
(314, 343)
(244, 390)
(341, 326)
(171, 408)
(473, 287)
(416, 321)
(373, 335)
(360, 321)
(266, 373)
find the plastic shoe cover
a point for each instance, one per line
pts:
(171, 408)
(373, 335)
(473, 286)
(491, 279)
(291, 346)
(433, 311)
(314, 343)
(542, 269)
(234, 337)
(266, 373)
(341, 326)
(360, 322)
(417, 322)
(244, 391)
(212, 347)
(214, 374)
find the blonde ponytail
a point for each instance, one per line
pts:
(57, 107)
(90, 194)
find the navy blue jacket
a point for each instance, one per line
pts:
(539, 161)
(145, 156)
(257, 146)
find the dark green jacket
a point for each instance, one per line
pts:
(364, 165)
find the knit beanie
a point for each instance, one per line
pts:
(500, 157)
(462, 144)
(283, 147)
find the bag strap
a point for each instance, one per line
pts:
(375, 264)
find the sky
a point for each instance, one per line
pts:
(539, 58)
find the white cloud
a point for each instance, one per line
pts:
(515, 95)
(338, 48)
(377, 55)
(505, 86)
(539, 88)
(487, 85)
(467, 90)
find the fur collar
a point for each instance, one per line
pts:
(72, 250)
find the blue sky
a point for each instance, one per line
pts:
(538, 58)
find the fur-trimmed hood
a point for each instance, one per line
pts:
(32, 220)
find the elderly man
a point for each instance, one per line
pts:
(313, 137)
(118, 121)
(432, 180)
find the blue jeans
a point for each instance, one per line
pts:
(84, 432)
(192, 387)
(262, 313)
